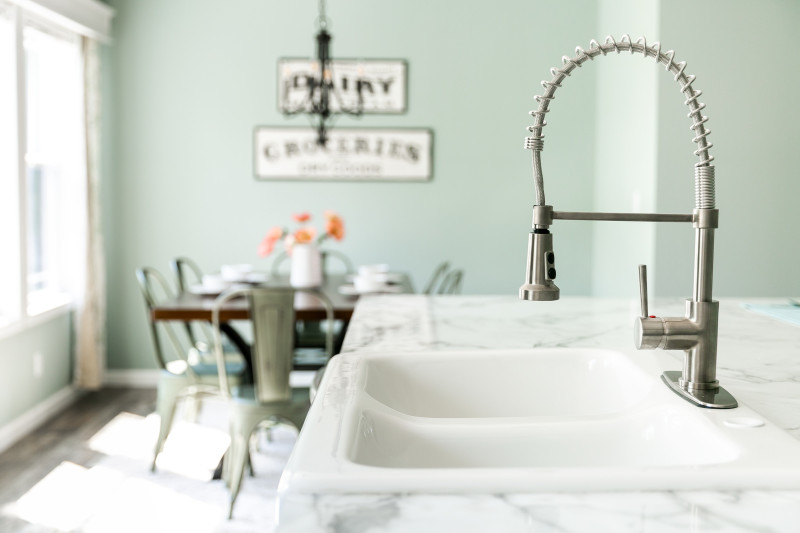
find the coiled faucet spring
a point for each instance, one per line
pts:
(704, 170)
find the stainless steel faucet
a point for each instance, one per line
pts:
(696, 332)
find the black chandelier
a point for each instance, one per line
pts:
(320, 87)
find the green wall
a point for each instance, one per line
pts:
(739, 55)
(189, 79)
(25, 383)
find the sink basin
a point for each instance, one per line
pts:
(651, 438)
(551, 383)
(526, 420)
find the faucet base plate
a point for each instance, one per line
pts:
(717, 398)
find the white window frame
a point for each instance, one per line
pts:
(82, 17)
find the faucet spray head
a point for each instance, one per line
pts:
(541, 270)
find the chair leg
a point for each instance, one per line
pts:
(238, 455)
(192, 407)
(168, 391)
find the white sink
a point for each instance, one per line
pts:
(520, 421)
(552, 383)
(651, 438)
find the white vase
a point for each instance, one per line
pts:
(306, 266)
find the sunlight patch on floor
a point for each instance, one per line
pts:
(103, 499)
(142, 505)
(120, 494)
(66, 497)
(126, 435)
(192, 450)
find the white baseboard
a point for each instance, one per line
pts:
(136, 378)
(36, 416)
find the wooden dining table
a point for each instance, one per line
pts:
(189, 306)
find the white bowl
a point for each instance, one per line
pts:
(366, 270)
(367, 283)
(214, 282)
(235, 272)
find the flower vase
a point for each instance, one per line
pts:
(306, 266)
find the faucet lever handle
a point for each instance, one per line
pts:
(643, 290)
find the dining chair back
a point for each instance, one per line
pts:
(436, 278)
(451, 284)
(273, 319)
(339, 257)
(311, 334)
(270, 399)
(186, 272)
(155, 289)
(186, 372)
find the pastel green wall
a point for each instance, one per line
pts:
(191, 78)
(625, 144)
(20, 388)
(738, 51)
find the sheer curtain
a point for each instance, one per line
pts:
(90, 346)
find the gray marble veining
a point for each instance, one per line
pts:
(759, 362)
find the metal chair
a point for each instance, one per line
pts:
(188, 372)
(438, 274)
(270, 399)
(451, 284)
(309, 335)
(185, 271)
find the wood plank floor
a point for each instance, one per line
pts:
(63, 438)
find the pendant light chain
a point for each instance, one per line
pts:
(322, 19)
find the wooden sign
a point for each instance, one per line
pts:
(350, 154)
(382, 83)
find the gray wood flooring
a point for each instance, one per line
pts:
(63, 438)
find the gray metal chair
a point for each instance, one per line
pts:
(436, 278)
(186, 272)
(187, 372)
(451, 284)
(270, 399)
(309, 335)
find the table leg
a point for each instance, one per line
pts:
(241, 345)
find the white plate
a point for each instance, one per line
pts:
(256, 277)
(386, 277)
(350, 290)
(202, 290)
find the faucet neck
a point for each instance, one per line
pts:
(704, 170)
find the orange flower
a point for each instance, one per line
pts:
(268, 243)
(304, 235)
(334, 225)
(334, 228)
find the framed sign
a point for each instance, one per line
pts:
(286, 153)
(382, 83)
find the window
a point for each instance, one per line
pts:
(42, 165)
(10, 275)
(55, 164)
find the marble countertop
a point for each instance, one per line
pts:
(758, 362)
